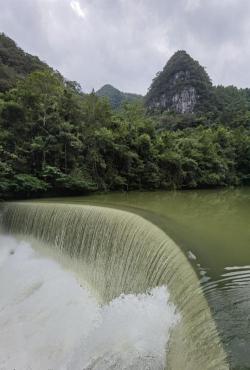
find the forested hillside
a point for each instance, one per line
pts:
(15, 63)
(116, 97)
(56, 140)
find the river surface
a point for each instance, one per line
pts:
(213, 229)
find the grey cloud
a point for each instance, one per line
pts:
(125, 42)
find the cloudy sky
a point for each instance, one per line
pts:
(125, 42)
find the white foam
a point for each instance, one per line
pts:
(48, 321)
(237, 267)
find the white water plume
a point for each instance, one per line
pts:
(49, 321)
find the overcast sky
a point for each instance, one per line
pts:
(125, 42)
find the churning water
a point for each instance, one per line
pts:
(127, 263)
(49, 321)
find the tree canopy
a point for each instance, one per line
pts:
(56, 140)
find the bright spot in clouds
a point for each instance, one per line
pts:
(77, 8)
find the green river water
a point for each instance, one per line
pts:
(212, 228)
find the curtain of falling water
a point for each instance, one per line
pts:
(120, 252)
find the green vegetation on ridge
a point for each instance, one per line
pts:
(56, 140)
(116, 97)
(15, 63)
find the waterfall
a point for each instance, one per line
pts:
(119, 252)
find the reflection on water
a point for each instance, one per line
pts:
(213, 224)
(229, 298)
(212, 227)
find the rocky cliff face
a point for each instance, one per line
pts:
(184, 102)
(181, 102)
(181, 86)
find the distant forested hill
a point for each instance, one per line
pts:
(117, 97)
(15, 63)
